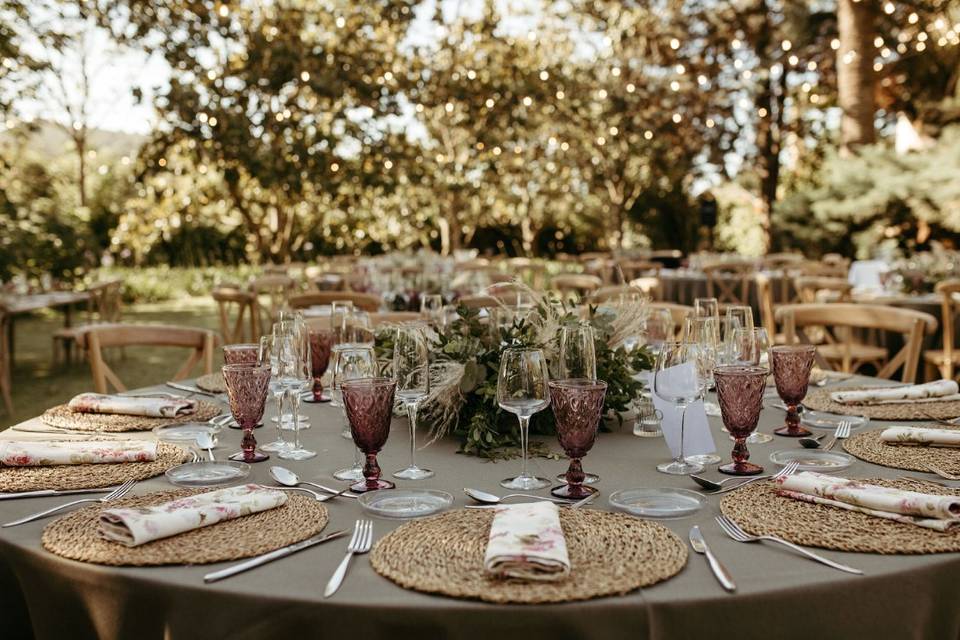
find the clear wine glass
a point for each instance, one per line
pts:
(356, 330)
(432, 311)
(339, 309)
(270, 349)
(411, 370)
(680, 377)
(297, 376)
(522, 390)
(351, 363)
(293, 324)
(578, 357)
(702, 333)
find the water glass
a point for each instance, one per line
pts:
(247, 387)
(411, 370)
(578, 357)
(681, 387)
(740, 394)
(791, 366)
(522, 390)
(577, 408)
(368, 404)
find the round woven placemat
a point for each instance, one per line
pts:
(819, 400)
(212, 382)
(759, 510)
(62, 417)
(610, 554)
(90, 476)
(868, 446)
(76, 536)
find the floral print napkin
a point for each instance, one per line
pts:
(922, 509)
(936, 391)
(921, 437)
(147, 406)
(138, 525)
(41, 453)
(527, 543)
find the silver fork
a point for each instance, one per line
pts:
(733, 530)
(842, 432)
(113, 495)
(360, 543)
(940, 472)
(788, 470)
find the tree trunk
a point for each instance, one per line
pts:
(855, 75)
(80, 142)
(769, 139)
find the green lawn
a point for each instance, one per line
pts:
(39, 383)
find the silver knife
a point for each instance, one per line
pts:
(283, 552)
(52, 492)
(183, 387)
(700, 546)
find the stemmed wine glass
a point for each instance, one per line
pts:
(338, 310)
(740, 393)
(271, 349)
(577, 409)
(659, 327)
(351, 363)
(701, 332)
(791, 372)
(750, 348)
(431, 310)
(295, 373)
(578, 360)
(411, 370)
(368, 404)
(321, 343)
(247, 386)
(241, 353)
(680, 377)
(522, 390)
(292, 323)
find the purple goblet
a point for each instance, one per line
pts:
(791, 372)
(321, 345)
(241, 353)
(247, 386)
(740, 394)
(368, 403)
(577, 406)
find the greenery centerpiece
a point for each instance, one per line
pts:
(463, 400)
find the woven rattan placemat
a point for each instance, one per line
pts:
(610, 554)
(76, 536)
(90, 476)
(819, 400)
(868, 446)
(62, 417)
(759, 510)
(212, 382)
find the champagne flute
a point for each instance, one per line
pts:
(431, 310)
(522, 390)
(270, 349)
(411, 370)
(339, 309)
(351, 363)
(680, 377)
(292, 323)
(702, 334)
(297, 376)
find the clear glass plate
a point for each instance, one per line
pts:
(813, 460)
(658, 503)
(405, 503)
(208, 474)
(186, 433)
(822, 420)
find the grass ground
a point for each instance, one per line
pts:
(39, 382)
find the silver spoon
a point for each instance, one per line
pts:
(289, 479)
(811, 443)
(710, 484)
(489, 498)
(205, 442)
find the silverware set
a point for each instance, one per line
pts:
(788, 469)
(842, 433)
(360, 543)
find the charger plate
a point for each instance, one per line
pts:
(62, 417)
(212, 382)
(76, 536)
(819, 400)
(868, 446)
(610, 554)
(760, 511)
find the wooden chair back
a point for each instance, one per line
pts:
(98, 337)
(949, 291)
(393, 317)
(6, 390)
(633, 269)
(818, 269)
(106, 299)
(277, 289)
(766, 304)
(775, 261)
(729, 282)
(678, 312)
(613, 292)
(243, 305)
(812, 289)
(837, 321)
(581, 284)
(329, 281)
(364, 301)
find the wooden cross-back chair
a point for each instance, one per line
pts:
(633, 269)
(678, 312)
(276, 288)
(729, 282)
(614, 291)
(815, 288)
(97, 338)
(330, 281)
(945, 360)
(841, 352)
(781, 260)
(6, 390)
(818, 269)
(105, 305)
(578, 284)
(365, 301)
(233, 300)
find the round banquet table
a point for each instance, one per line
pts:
(780, 595)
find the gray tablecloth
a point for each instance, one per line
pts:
(780, 594)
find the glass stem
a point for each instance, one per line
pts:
(280, 415)
(412, 414)
(295, 405)
(524, 439)
(683, 423)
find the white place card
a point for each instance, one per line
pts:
(697, 438)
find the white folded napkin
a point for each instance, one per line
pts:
(921, 437)
(148, 406)
(136, 526)
(41, 453)
(910, 507)
(527, 543)
(936, 391)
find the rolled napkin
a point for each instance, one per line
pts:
(139, 525)
(936, 391)
(921, 437)
(147, 406)
(41, 453)
(526, 543)
(910, 507)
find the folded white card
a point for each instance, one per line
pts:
(697, 439)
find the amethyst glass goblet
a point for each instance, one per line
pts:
(368, 403)
(241, 353)
(321, 345)
(247, 386)
(791, 366)
(740, 394)
(577, 406)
